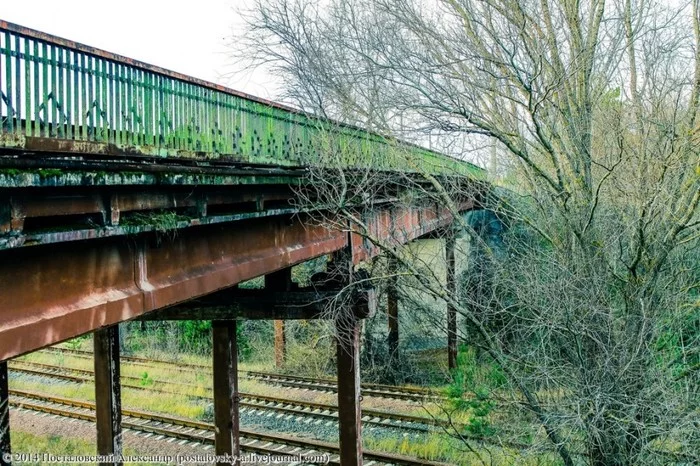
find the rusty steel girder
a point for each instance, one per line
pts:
(52, 293)
(398, 225)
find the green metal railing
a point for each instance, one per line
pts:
(62, 90)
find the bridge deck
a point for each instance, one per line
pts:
(59, 95)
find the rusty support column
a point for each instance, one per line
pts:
(108, 405)
(392, 309)
(226, 398)
(451, 312)
(4, 417)
(279, 281)
(347, 327)
(349, 415)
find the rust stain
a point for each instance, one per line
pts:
(399, 225)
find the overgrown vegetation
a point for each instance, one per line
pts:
(164, 222)
(588, 114)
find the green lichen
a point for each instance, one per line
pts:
(11, 171)
(165, 223)
(46, 172)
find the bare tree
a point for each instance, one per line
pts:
(592, 108)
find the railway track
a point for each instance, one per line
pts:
(85, 372)
(306, 383)
(308, 412)
(314, 409)
(179, 366)
(330, 385)
(303, 411)
(200, 432)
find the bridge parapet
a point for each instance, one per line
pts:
(62, 96)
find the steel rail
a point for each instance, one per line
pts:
(323, 411)
(331, 386)
(368, 388)
(323, 384)
(87, 372)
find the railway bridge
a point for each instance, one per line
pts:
(128, 191)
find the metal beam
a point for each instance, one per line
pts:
(235, 304)
(111, 280)
(238, 312)
(280, 343)
(4, 417)
(451, 312)
(399, 225)
(226, 398)
(108, 393)
(107, 281)
(349, 414)
(279, 281)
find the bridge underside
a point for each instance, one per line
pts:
(111, 270)
(62, 290)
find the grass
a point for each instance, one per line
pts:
(11, 171)
(155, 372)
(174, 405)
(50, 172)
(179, 405)
(438, 447)
(26, 443)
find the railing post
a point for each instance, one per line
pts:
(451, 312)
(5, 449)
(108, 393)
(226, 398)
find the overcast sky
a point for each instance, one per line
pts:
(191, 37)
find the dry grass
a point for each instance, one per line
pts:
(23, 442)
(438, 447)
